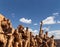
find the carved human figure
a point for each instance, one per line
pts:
(40, 32)
(4, 25)
(46, 33)
(17, 39)
(27, 40)
(9, 35)
(3, 40)
(52, 42)
(39, 41)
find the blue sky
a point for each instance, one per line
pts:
(31, 12)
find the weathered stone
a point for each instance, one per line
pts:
(10, 37)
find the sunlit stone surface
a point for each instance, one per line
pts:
(10, 37)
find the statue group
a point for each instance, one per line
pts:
(20, 37)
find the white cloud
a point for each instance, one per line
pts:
(56, 33)
(56, 14)
(35, 24)
(35, 32)
(49, 20)
(24, 20)
(46, 28)
(58, 21)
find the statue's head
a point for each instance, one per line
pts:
(20, 27)
(26, 28)
(41, 22)
(15, 31)
(44, 36)
(4, 19)
(46, 32)
(52, 36)
(7, 20)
